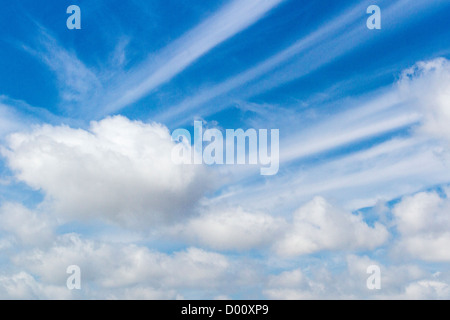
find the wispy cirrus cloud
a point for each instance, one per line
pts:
(77, 83)
(101, 92)
(330, 41)
(222, 25)
(391, 162)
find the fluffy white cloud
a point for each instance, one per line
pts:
(426, 289)
(350, 282)
(316, 226)
(291, 285)
(142, 293)
(120, 266)
(423, 221)
(28, 227)
(319, 226)
(231, 229)
(120, 170)
(24, 286)
(427, 85)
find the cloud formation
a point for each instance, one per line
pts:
(231, 229)
(402, 281)
(427, 85)
(314, 227)
(319, 226)
(118, 170)
(121, 271)
(28, 227)
(423, 221)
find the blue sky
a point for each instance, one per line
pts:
(86, 176)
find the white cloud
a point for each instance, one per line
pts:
(387, 170)
(297, 285)
(120, 170)
(5, 244)
(144, 293)
(288, 294)
(9, 120)
(314, 227)
(315, 49)
(113, 266)
(287, 279)
(398, 281)
(233, 18)
(120, 271)
(423, 221)
(320, 281)
(76, 81)
(427, 289)
(323, 33)
(427, 84)
(291, 285)
(231, 229)
(28, 227)
(319, 226)
(24, 286)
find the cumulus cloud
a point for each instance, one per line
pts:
(291, 285)
(231, 229)
(427, 86)
(319, 226)
(423, 221)
(121, 266)
(314, 227)
(143, 293)
(27, 227)
(426, 289)
(350, 282)
(22, 285)
(120, 170)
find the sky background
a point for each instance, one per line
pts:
(86, 176)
